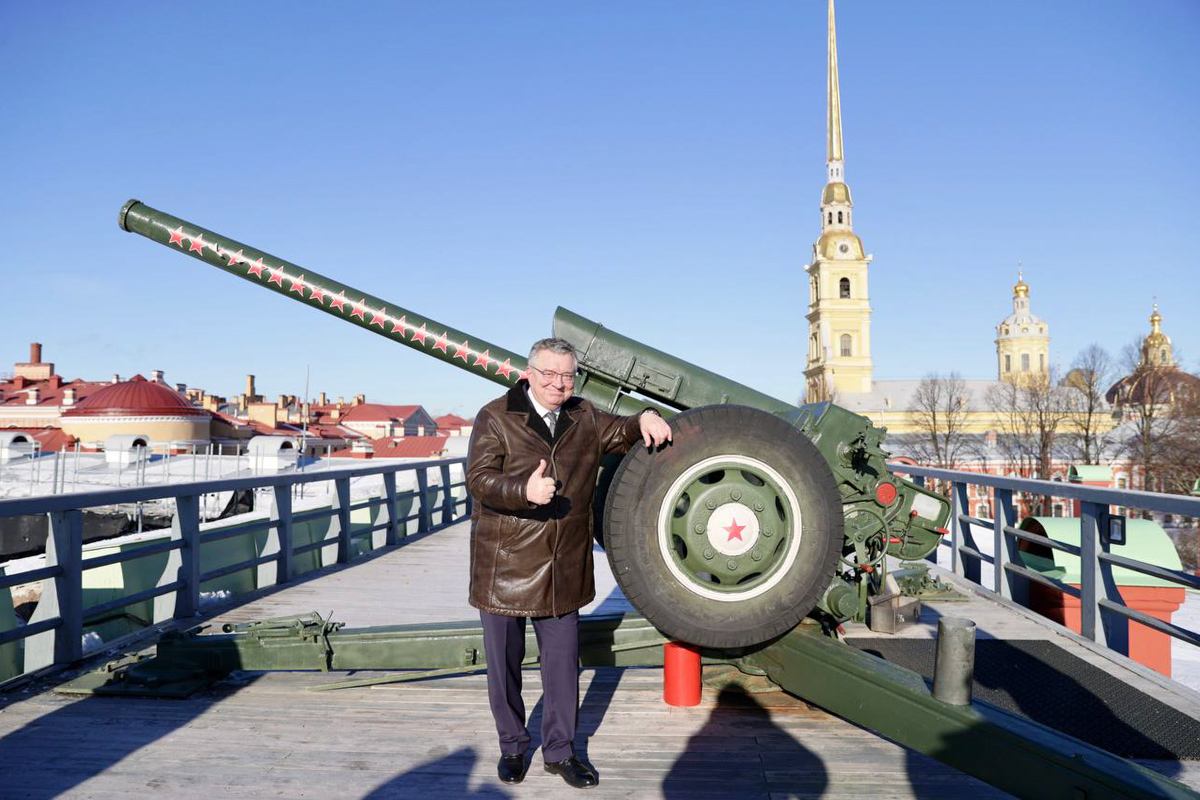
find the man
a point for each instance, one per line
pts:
(534, 457)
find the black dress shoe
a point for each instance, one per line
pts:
(511, 768)
(573, 772)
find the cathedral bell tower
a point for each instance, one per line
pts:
(839, 310)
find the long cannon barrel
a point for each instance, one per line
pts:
(313, 289)
(612, 366)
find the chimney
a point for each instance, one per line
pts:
(359, 399)
(116, 378)
(181, 388)
(69, 396)
(35, 352)
(32, 398)
(249, 388)
(321, 399)
(341, 401)
(156, 375)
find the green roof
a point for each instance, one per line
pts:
(1145, 541)
(1089, 473)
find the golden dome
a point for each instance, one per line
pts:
(839, 244)
(1021, 289)
(836, 192)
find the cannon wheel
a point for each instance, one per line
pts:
(729, 536)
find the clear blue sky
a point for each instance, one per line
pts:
(653, 166)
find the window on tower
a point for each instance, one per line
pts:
(844, 287)
(839, 217)
(830, 217)
(1024, 362)
(1007, 363)
(845, 345)
(1042, 362)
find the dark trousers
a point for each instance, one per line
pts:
(558, 643)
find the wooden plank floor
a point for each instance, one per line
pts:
(263, 735)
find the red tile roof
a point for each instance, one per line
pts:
(451, 422)
(136, 396)
(378, 412)
(409, 447)
(50, 392)
(51, 439)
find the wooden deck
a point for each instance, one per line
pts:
(261, 735)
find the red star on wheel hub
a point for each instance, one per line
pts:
(734, 530)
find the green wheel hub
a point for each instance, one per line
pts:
(729, 527)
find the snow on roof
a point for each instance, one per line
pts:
(50, 438)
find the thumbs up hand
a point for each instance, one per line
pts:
(540, 489)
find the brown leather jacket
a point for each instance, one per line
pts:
(529, 560)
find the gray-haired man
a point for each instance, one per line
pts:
(534, 457)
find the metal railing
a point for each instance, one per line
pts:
(1104, 616)
(54, 634)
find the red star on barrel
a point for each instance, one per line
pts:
(316, 293)
(483, 359)
(277, 276)
(360, 308)
(235, 258)
(338, 302)
(198, 244)
(442, 342)
(298, 285)
(400, 325)
(177, 237)
(256, 268)
(734, 531)
(462, 350)
(504, 369)
(379, 317)
(418, 335)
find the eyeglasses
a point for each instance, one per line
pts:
(552, 376)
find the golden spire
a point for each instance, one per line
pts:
(834, 133)
(1155, 321)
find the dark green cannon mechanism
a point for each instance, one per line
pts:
(760, 513)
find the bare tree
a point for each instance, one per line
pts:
(1086, 430)
(939, 411)
(1031, 412)
(1158, 406)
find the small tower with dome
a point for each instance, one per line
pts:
(1022, 339)
(1156, 347)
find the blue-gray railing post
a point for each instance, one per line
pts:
(1095, 576)
(424, 515)
(958, 502)
(394, 533)
(342, 500)
(185, 525)
(1002, 554)
(447, 495)
(282, 531)
(62, 595)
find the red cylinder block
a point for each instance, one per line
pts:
(681, 674)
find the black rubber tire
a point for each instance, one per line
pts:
(631, 537)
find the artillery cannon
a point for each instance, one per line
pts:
(759, 514)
